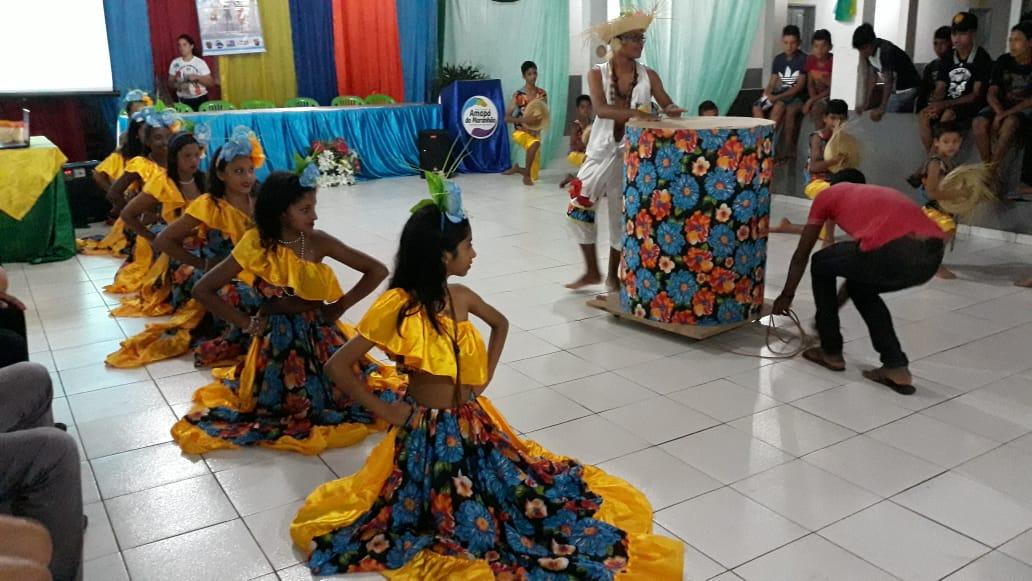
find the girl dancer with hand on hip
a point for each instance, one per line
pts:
(452, 492)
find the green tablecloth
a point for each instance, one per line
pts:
(45, 234)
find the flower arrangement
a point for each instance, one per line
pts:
(338, 164)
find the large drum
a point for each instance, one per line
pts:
(697, 212)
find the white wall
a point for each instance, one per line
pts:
(890, 21)
(844, 79)
(932, 14)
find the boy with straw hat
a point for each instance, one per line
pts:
(621, 89)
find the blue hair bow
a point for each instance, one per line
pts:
(446, 195)
(242, 143)
(142, 114)
(307, 171)
(166, 118)
(202, 133)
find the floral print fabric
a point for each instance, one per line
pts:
(697, 214)
(292, 391)
(215, 341)
(461, 487)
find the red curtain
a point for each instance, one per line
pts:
(169, 19)
(59, 119)
(367, 49)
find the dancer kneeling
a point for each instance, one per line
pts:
(452, 492)
(279, 395)
(195, 243)
(145, 171)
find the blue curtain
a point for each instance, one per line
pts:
(417, 28)
(499, 36)
(311, 22)
(700, 47)
(129, 45)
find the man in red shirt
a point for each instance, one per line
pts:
(895, 246)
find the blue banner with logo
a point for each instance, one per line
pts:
(474, 112)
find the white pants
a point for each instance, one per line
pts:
(601, 178)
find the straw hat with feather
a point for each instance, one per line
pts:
(608, 32)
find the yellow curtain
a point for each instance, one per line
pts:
(268, 75)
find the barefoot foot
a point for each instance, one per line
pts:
(612, 284)
(512, 170)
(945, 273)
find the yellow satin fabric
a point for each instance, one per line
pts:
(341, 502)
(419, 346)
(194, 440)
(525, 140)
(164, 190)
(131, 276)
(576, 158)
(25, 173)
(152, 298)
(814, 188)
(944, 221)
(216, 214)
(156, 287)
(114, 243)
(159, 341)
(279, 266)
(113, 166)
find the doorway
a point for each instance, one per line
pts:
(804, 17)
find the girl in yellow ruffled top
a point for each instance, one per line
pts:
(201, 238)
(452, 492)
(118, 241)
(279, 396)
(137, 195)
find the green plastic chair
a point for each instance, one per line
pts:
(347, 101)
(218, 105)
(182, 107)
(301, 102)
(379, 99)
(257, 104)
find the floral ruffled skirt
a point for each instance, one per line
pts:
(214, 342)
(455, 493)
(280, 397)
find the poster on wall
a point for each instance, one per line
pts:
(230, 27)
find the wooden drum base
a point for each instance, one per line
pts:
(610, 302)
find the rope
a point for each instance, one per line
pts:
(772, 329)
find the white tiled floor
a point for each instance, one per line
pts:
(776, 469)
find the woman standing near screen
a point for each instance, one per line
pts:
(188, 75)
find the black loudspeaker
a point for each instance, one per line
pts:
(85, 198)
(434, 147)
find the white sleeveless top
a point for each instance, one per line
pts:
(601, 142)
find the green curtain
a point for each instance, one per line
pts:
(499, 36)
(268, 75)
(700, 48)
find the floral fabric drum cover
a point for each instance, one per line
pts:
(697, 214)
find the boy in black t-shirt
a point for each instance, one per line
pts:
(942, 44)
(963, 80)
(889, 64)
(783, 97)
(1009, 98)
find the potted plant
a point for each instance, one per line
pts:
(449, 73)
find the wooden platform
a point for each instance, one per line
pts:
(610, 303)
